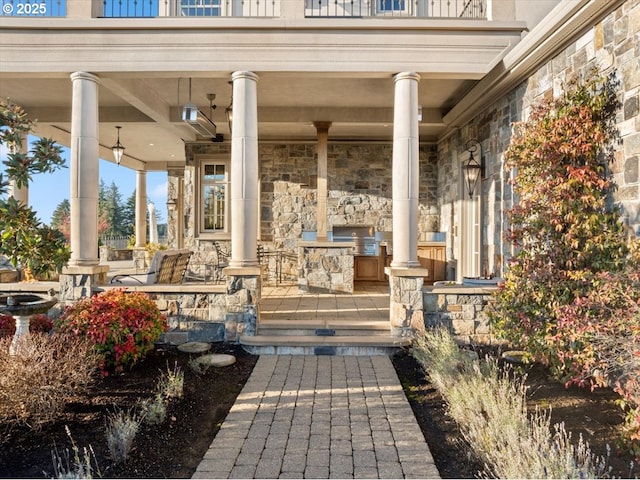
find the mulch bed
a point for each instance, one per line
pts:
(175, 448)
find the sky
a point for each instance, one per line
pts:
(48, 190)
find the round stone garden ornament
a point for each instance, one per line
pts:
(194, 347)
(216, 360)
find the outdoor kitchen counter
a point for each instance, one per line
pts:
(324, 244)
(325, 266)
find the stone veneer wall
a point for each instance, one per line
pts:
(461, 310)
(359, 192)
(359, 188)
(323, 269)
(613, 43)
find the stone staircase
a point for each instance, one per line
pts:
(338, 337)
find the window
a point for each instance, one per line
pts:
(214, 197)
(201, 8)
(391, 6)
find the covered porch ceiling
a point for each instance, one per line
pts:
(148, 108)
(339, 74)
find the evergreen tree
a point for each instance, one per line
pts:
(129, 215)
(113, 210)
(61, 214)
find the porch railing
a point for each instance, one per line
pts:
(121, 242)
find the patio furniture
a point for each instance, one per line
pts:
(222, 261)
(167, 267)
(264, 257)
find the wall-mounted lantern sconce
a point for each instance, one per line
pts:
(118, 149)
(473, 169)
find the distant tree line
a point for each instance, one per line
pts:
(115, 217)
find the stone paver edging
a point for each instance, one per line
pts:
(320, 417)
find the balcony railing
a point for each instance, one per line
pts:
(313, 8)
(397, 8)
(257, 8)
(191, 8)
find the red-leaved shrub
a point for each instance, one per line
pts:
(122, 325)
(39, 323)
(570, 296)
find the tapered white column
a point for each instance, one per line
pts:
(244, 171)
(21, 194)
(405, 171)
(141, 208)
(84, 170)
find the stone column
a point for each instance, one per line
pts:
(405, 171)
(291, 10)
(140, 262)
(141, 208)
(322, 129)
(406, 277)
(84, 170)
(244, 171)
(20, 194)
(83, 272)
(243, 272)
(84, 8)
(175, 208)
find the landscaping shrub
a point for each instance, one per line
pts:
(121, 430)
(570, 296)
(38, 323)
(122, 325)
(598, 342)
(79, 465)
(490, 409)
(44, 374)
(7, 325)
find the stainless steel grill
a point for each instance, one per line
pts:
(362, 236)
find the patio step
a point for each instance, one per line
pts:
(363, 344)
(338, 328)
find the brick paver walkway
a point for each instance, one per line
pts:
(320, 417)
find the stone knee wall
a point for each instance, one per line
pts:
(461, 310)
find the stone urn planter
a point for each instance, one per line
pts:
(21, 306)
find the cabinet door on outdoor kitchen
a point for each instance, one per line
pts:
(432, 257)
(366, 268)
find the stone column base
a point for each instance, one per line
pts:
(244, 285)
(78, 282)
(406, 306)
